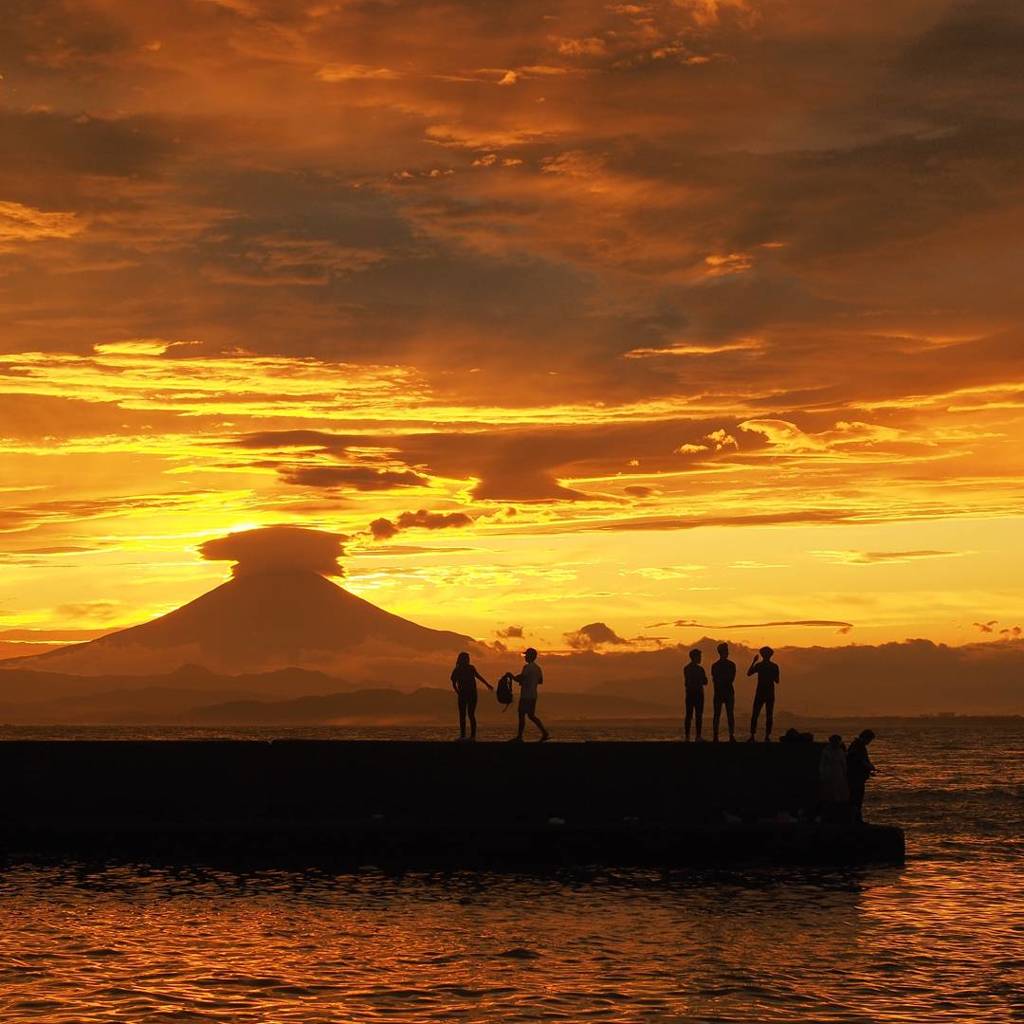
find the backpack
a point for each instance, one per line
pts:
(504, 691)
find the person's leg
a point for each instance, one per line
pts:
(471, 710)
(769, 714)
(544, 734)
(755, 713)
(730, 714)
(462, 716)
(522, 721)
(698, 711)
(689, 714)
(716, 715)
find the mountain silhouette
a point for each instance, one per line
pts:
(256, 622)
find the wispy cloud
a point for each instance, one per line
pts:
(838, 626)
(20, 223)
(884, 557)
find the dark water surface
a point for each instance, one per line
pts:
(941, 939)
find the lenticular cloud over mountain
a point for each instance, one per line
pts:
(274, 549)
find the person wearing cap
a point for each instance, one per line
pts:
(529, 679)
(767, 673)
(723, 675)
(694, 680)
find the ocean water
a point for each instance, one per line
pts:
(940, 939)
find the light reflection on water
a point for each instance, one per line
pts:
(937, 940)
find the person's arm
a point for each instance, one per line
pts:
(482, 680)
(455, 685)
(705, 679)
(753, 665)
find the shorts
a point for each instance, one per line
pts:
(527, 706)
(695, 700)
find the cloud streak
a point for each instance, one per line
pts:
(839, 627)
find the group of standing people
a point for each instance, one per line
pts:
(464, 678)
(723, 678)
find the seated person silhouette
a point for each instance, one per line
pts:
(832, 779)
(694, 680)
(767, 673)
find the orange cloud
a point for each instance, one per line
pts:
(277, 549)
(19, 223)
(594, 635)
(385, 529)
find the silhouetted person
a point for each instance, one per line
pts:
(694, 680)
(767, 673)
(858, 770)
(464, 677)
(529, 679)
(723, 675)
(832, 783)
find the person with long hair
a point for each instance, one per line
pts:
(464, 677)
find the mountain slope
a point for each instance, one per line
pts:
(256, 622)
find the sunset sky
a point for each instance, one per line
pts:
(683, 316)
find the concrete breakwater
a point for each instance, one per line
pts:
(411, 803)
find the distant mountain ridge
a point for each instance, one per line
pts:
(273, 698)
(910, 678)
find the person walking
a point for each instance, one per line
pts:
(723, 676)
(694, 681)
(464, 677)
(767, 673)
(858, 770)
(529, 679)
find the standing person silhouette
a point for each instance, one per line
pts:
(767, 673)
(464, 677)
(723, 675)
(858, 770)
(529, 679)
(694, 679)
